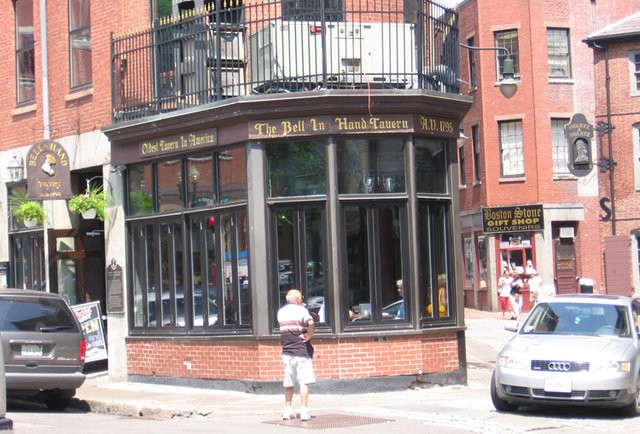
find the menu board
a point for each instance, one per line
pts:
(90, 320)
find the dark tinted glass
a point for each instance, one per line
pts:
(35, 314)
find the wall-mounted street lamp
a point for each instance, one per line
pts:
(15, 169)
(508, 84)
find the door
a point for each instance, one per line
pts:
(74, 257)
(565, 264)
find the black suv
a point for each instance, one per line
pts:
(43, 347)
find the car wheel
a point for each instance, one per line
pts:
(499, 403)
(57, 402)
(632, 409)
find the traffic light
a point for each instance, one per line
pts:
(579, 133)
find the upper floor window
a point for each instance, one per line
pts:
(310, 10)
(558, 53)
(25, 60)
(79, 43)
(472, 64)
(461, 164)
(475, 138)
(507, 39)
(634, 58)
(636, 155)
(559, 148)
(511, 148)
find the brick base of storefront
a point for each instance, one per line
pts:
(363, 364)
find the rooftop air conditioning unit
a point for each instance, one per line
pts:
(307, 53)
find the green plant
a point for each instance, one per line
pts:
(30, 210)
(140, 202)
(94, 198)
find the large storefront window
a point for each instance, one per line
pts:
(27, 254)
(300, 252)
(296, 168)
(26, 244)
(375, 235)
(371, 166)
(435, 259)
(190, 270)
(299, 230)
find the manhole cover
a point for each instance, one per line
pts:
(328, 421)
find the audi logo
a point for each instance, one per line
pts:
(559, 366)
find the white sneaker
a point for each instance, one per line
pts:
(304, 415)
(288, 414)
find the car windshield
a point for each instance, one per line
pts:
(578, 318)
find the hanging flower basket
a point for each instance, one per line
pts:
(89, 214)
(29, 223)
(90, 204)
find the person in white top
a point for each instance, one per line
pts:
(504, 290)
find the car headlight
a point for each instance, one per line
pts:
(512, 362)
(611, 366)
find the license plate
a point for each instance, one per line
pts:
(562, 385)
(31, 350)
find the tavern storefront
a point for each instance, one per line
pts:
(339, 194)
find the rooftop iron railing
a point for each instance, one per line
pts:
(232, 49)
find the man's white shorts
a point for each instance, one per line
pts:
(297, 369)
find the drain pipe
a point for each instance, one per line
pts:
(46, 125)
(609, 136)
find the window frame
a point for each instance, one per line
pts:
(634, 72)
(25, 53)
(472, 65)
(475, 141)
(461, 164)
(80, 30)
(559, 146)
(559, 52)
(515, 145)
(507, 39)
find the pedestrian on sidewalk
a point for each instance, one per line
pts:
(504, 291)
(516, 292)
(296, 328)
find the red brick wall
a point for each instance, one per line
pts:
(68, 115)
(624, 115)
(346, 358)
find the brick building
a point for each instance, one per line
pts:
(513, 152)
(616, 51)
(246, 148)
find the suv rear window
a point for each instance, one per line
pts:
(30, 314)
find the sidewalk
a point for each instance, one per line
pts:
(485, 335)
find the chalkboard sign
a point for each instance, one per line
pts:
(90, 319)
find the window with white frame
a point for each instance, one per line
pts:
(79, 43)
(636, 155)
(511, 148)
(507, 39)
(25, 55)
(558, 53)
(559, 148)
(634, 64)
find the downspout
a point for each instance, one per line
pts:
(46, 125)
(609, 136)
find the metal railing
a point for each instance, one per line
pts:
(231, 49)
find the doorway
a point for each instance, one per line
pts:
(74, 257)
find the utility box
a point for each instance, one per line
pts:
(586, 286)
(309, 52)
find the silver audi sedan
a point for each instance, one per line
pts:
(579, 349)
